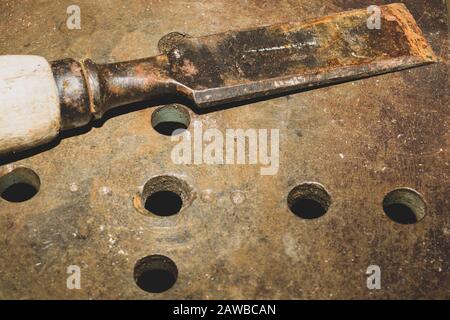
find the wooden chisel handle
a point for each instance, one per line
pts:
(29, 103)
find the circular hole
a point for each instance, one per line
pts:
(171, 119)
(164, 203)
(19, 185)
(155, 274)
(165, 196)
(404, 206)
(309, 201)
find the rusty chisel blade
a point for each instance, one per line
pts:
(235, 66)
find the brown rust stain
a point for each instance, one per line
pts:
(414, 35)
(188, 68)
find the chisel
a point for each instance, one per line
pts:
(39, 99)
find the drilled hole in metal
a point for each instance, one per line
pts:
(164, 203)
(19, 185)
(404, 206)
(309, 201)
(155, 273)
(171, 119)
(165, 196)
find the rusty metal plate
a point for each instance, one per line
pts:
(235, 236)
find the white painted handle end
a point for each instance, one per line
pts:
(29, 103)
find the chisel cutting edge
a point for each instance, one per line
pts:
(39, 99)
